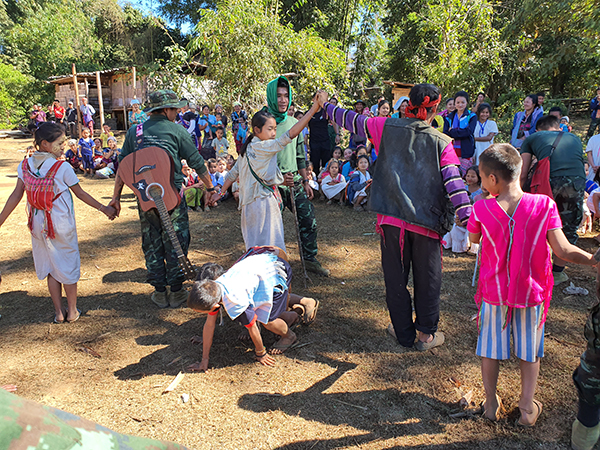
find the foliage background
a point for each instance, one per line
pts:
(506, 48)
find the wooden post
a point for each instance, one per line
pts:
(77, 101)
(87, 90)
(124, 102)
(101, 103)
(134, 83)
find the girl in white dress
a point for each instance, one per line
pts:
(48, 183)
(485, 130)
(259, 176)
(334, 183)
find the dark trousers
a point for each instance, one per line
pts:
(307, 223)
(161, 259)
(72, 130)
(320, 154)
(424, 254)
(594, 123)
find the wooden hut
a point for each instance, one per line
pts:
(399, 89)
(115, 87)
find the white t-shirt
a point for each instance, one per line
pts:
(593, 146)
(482, 130)
(590, 202)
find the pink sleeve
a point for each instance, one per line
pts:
(554, 220)
(375, 127)
(448, 156)
(474, 226)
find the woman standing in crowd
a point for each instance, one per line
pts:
(136, 115)
(460, 126)
(238, 116)
(525, 121)
(400, 108)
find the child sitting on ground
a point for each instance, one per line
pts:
(215, 176)
(255, 289)
(106, 133)
(515, 281)
(564, 124)
(334, 183)
(193, 189)
(71, 156)
(312, 179)
(86, 151)
(360, 182)
(458, 237)
(107, 166)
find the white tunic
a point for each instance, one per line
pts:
(482, 130)
(58, 257)
(333, 189)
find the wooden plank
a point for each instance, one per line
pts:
(77, 100)
(100, 102)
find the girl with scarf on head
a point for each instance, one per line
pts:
(460, 126)
(414, 181)
(48, 183)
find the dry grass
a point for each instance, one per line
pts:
(351, 386)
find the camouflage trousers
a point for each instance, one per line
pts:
(568, 194)
(28, 424)
(161, 259)
(306, 219)
(587, 376)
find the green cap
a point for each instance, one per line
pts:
(165, 98)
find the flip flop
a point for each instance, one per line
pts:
(497, 414)
(282, 347)
(75, 319)
(311, 314)
(536, 404)
(64, 317)
(299, 309)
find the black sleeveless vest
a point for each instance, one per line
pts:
(407, 180)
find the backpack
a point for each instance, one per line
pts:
(538, 178)
(40, 195)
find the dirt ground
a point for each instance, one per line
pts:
(348, 385)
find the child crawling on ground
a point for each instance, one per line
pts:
(255, 289)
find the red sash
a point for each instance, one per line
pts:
(40, 195)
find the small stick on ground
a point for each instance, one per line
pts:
(214, 256)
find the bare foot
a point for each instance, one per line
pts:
(284, 343)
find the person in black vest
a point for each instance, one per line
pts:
(414, 214)
(319, 142)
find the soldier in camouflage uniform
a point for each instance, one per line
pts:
(586, 428)
(26, 424)
(292, 163)
(161, 260)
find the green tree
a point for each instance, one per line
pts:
(244, 46)
(14, 90)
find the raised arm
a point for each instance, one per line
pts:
(454, 184)
(345, 118)
(302, 123)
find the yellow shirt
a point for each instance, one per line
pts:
(105, 137)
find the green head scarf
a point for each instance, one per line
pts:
(272, 99)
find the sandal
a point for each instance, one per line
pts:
(310, 314)
(64, 317)
(498, 410)
(75, 319)
(281, 348)
(537, 405)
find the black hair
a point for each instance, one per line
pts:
(483, 106)
(258, 121)
(337, 147)
(220, 128)
(283, 83)
(546, 122)
(47, 131)
(358, 158)
(502, 160)
(297, 113)
(481, 93)
(383, 102)
(541, 94)
(204, 295)
(534, 99)
(597, 176)
(461, 94)
(210, 271)
(211, 161)
(418, 93)
(205, 106)
(57, 100)
(475, 169)
(335, 161)
(555, 108)
(448, 100)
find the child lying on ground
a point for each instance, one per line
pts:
(515, 282)
(255, 289)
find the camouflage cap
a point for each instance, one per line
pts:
(165, 98)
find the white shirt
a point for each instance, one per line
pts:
(482, 130)
(593, 146)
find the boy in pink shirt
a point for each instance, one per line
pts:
(515, 281)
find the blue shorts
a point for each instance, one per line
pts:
(528, 337)
(88, 160)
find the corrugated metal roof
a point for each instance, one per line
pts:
(58, 78)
